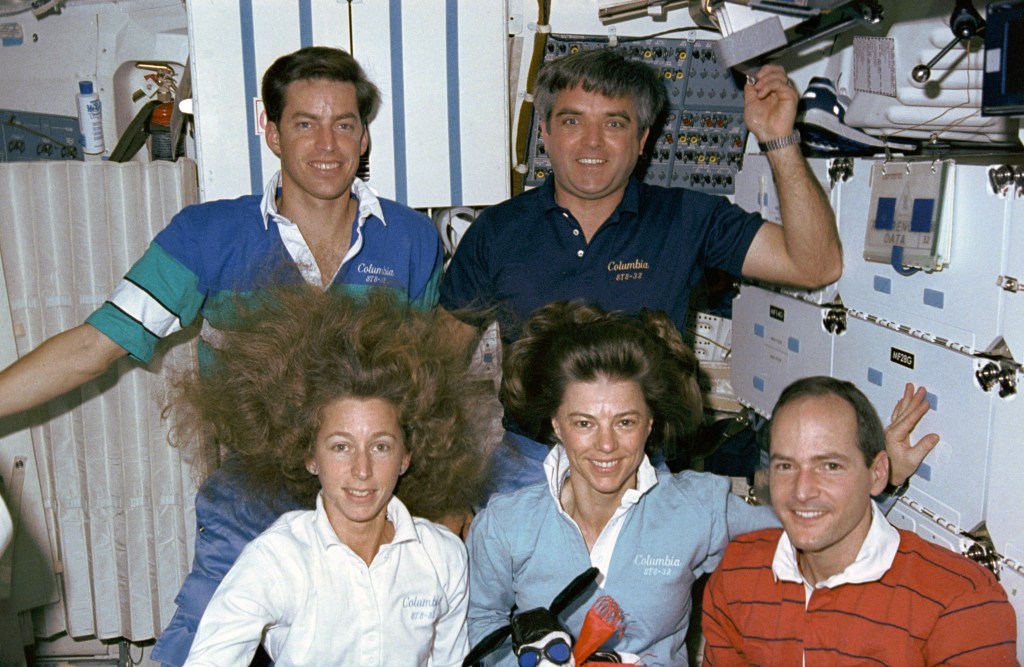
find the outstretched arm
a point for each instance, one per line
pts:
(804, 251)
(60, 364)
(904, 457)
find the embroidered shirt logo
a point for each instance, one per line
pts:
(657, 565)
(379, 275)
(421, 608)
(631, 270)
(413, 602)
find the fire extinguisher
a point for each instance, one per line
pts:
(159, 125)
(160, 147)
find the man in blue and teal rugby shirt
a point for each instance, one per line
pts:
(315, 222)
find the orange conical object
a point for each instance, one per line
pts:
(602, 621)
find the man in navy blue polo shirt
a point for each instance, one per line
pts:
(593, 231)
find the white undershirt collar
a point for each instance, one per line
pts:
(873, 560)
(556, 469)
(296, 245)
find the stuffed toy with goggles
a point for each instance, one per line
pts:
(541, 639)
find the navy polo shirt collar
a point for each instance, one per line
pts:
(630, 199)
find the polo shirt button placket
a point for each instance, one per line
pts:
(575, 232)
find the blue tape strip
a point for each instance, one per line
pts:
(875, 376)
(924, 471)
(934, 298)
(306, 23)
(921, 215)
(451, 16)
(896, 261)
(885, 213)
(250, 77)
(398, 103)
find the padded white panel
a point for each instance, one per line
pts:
(119, 501)
(953, 480)
(451, 63)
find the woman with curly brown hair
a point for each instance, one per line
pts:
(340, 403)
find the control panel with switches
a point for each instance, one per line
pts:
(33, 136)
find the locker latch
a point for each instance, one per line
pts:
(993, 373)
(983, 551)
(834, 320)
(1002, 177)
(840, 169)
(1008, 283)
(996, 366)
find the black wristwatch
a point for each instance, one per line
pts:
(896, 491)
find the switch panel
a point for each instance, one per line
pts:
(33, 136)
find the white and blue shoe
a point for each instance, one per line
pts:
(821, 115)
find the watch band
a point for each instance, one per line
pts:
(779, 142)
(896, 491)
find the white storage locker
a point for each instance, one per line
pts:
(776, 339)
(953, 480)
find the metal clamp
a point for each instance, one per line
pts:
(834, 320)
(840, 169)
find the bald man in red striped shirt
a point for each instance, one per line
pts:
(840, 585)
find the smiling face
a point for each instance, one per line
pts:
(820, 486)
(359, 455)
(593, 142)
(319, 139)
(603, 425)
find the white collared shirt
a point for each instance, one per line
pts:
(873, 560)
(296, 245)
(313, 601)
(556, 469)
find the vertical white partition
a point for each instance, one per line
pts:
(442, 135)
(117, 498)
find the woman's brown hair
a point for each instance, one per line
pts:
(263, 399)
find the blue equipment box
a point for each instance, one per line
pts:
(28, 136)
